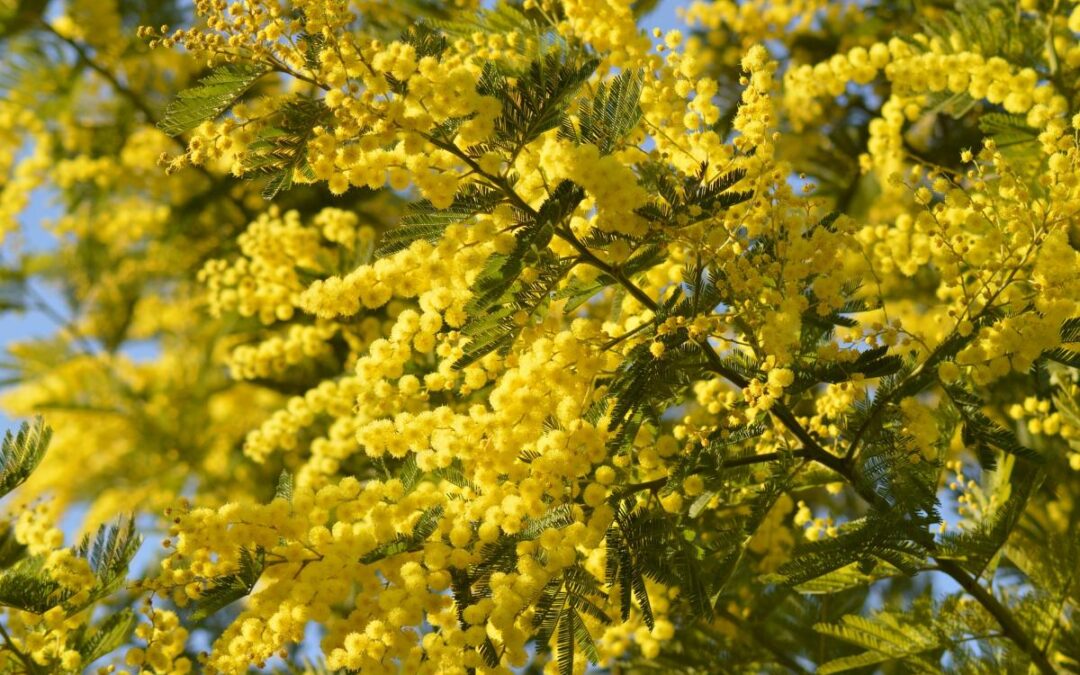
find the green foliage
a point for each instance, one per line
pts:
(1070, 333)
(21, 453)
(215, 94)
(12, 290)
(501, 555)
(644, 383)
(10, 548)
(503, 301)
(530, 246)
(113, 631)
(877, 538)
(1014, 139)
(109, 552)
(647, 543)
(284, 489)
(976, 547)
(876, 362)
(314, 43)
(229, 588)
(983, 434)
(461, 588)
(427, 40)
(497, 329)
(502, 18)
(558, 613)
(1070, 330)
(280, 151)
(988, 27)
(407, 543)
(685, 201)
(27, 584)
(840, 579)
(1064, 356)
(629, 540)
(536, 102)
(885, 638)
(609, 115)
(426, 222)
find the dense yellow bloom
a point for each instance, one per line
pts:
(537, 314)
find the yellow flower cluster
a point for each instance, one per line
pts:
(916, 69)
(165, 640)
(264, 282)
(44, 638)
(610, 183)
(18, 180)
(36, 528)
(276, 354)
(733, 27)
(470, 420)
(921, 427)
(1041, 420)
(49, 637)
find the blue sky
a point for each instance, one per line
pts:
(32, 237)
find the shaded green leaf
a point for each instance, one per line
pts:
(215, 93)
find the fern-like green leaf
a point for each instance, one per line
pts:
(1064, 356)
(11, 551)
(109, 553)
(983, 434)
(406, 543)
(885, 637)
(21, 453)
(214, 95)
(278, 152)
(425, 221)
(886, 537)
(566, 640)
(107, 636)
(1070, 330)
(12, 290)
(836, 581)
(536, 102)
(502, 18)
(975, 546)
(609, 115)
(228, 589)
(28, 586)
(875, 362)
(284, 489)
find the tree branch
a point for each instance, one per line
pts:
(139, 104)
(1010, 627)
(31, 667)
(749, 460)
(811, 448)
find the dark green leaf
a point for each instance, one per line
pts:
(107, 636)
(278, 152)
(609, 115)
(215, 93)
(536, 102)
(230, 588)
(21, 453)
(424, 527)
(284, 489)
